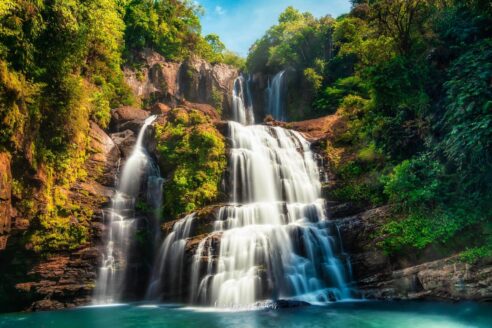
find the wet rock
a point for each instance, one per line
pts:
(281, 304)
(60, 281)
(342, 210)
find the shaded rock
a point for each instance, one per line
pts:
(61, 281)
(127, 117)
(408, 276)
(281, 304)
(125, 141)
(155, 79)
(202, 82)
(341, 210)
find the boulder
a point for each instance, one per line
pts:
(125, 141)
(127, 117)
(204, 108)
(105, 154)
(160, 109)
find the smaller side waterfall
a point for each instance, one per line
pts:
(169, 263)
(242, 104)
(121, 219)
(275, 97)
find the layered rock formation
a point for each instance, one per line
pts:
(194, 80)
(409, 276)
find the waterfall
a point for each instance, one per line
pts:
(275, 241)
(271, 241)
(275, 96)
(242, 104)
(170, 260)
(121, 218)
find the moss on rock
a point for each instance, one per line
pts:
(192, 154)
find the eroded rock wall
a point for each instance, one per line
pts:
(32, 281)
(172, 83)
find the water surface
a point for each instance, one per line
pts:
(350, 315)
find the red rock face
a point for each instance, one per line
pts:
(5, 198)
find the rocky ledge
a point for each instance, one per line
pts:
(408, 276)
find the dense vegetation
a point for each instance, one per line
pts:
(413, 79)
(193, 157)
(60, 67)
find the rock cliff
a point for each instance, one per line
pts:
(194, 80)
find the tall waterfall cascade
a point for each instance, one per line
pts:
(275, 97)
(271, 241)
(121, 220)
(242, 103)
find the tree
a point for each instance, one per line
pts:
(401, 19)
(214, 41)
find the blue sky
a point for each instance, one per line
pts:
(241, 22)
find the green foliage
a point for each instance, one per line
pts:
(60, 66)
(313, 78)
(233, 59)
(466, 124)
(331, 98)
(415, 183)
(193, 154)
(411, 82)
(170, 27)
(473, 255)
(298, 41)
(217, 99)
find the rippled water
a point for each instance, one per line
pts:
(350, 315)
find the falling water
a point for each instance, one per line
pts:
(242, 105)
(275, 94)
(271, 241)
(169, 263)
(275, 241)
(121, 219)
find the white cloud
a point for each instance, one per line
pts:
(219, 10)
